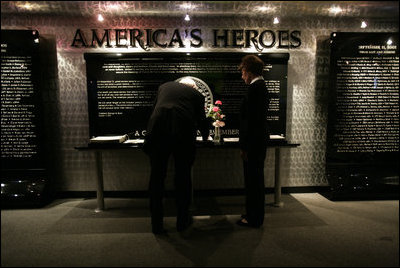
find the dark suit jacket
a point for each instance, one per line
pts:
(253, 133)
(177, 114)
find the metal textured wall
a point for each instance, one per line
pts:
(214, 169)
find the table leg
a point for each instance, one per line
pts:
(100, 184)
(277, 202)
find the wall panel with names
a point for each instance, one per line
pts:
(122, 88)
(363, 125)
(23, 163)
(21, 127)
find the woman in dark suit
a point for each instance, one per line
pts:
(253, 140)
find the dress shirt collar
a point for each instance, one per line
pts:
(257, 78)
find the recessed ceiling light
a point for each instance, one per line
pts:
(187, 6)
(27, 6)
(263, 8)
(335, 10)
(113, 6)
(363, 24)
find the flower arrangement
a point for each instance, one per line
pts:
(215, 113)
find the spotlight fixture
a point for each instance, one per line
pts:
(100, 17)
(276, 20)
(389, 42)
(364, 24)
(187, 17)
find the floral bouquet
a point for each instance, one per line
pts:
(215, 113)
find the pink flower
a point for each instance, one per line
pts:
(218, 102)
(215, 109)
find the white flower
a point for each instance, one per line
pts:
(218, 123)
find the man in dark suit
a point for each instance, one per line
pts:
(178, 112)
(253, 137)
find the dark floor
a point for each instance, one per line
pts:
(309, 230)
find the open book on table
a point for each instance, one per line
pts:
(109, 139)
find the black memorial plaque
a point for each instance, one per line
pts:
(22, 149)
(122, 87)
(363, 123)
(21, 129)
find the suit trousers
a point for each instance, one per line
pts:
(183, 154)
(255, 187)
